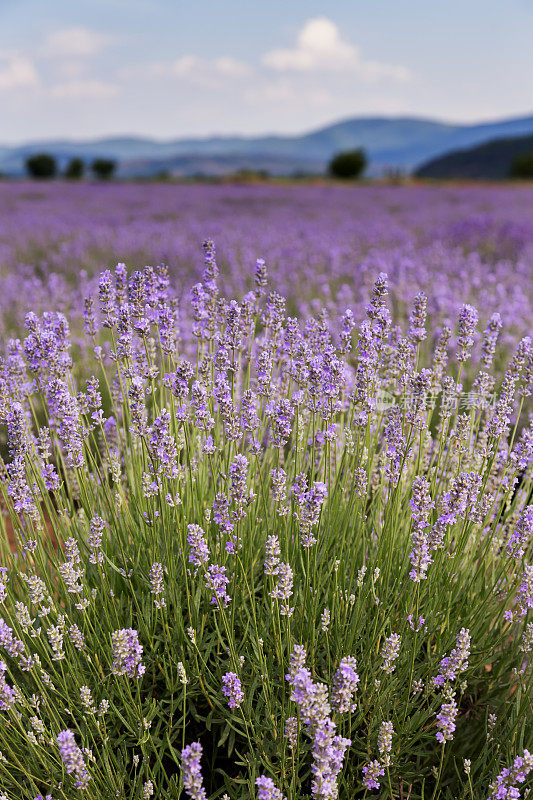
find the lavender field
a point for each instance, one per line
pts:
(267, 496)
(324, 245)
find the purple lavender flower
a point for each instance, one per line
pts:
(232, 689)
(345, 682)
(309, 506)
(468, 319)
(72, 757)
(163, 445)
(451, 666)
(199, 551)
(372, 771)
(283, 588)
(446, 720)
(417, 320)
(390, 651)
(127, 653)
(347, 326)
(65, 417)
(279, 485)
(96, 531)
(216, 580)
(490, 337)
(421, 507)
(385, 735)
(7, 693)
(192, 771)
(524, 595)
(281, 416)
(272, 555)
(328, 748)
(260, 275)
(266, 789)
(238, 471)
(522, 534)
(157, 584)
(13, 646)
(328, 756)
(503, 788)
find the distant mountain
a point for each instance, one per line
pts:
(491, 160)
(391, 143)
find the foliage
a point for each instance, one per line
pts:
(75, 169)
(41, 165)
(522, 166)
(491, 160)
(289, 556)
(348, 165)
(103, 168)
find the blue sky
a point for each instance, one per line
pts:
(172, 68)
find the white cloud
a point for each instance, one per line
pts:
(74, 42)
(17, 71)
(182, 67)
(319, 47)
(201, 71)
(231, 67)
(84, 90)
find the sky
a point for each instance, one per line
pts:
(174, 68)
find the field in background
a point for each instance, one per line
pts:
(323, 244)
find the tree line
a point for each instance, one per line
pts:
(45, 166)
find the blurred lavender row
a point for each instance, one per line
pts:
(324, 245)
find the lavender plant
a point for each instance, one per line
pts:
(247, 554)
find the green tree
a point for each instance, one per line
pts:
(522, 166)
(348, 165)
(74, 169)
(41, 165)
(103, 168)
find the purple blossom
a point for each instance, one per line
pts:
(468, 319)
(216, 580)
(386, 732)
(390, 651)
(451, 666)
(372, 772)
(127, 653)
(309, 506)
(272, 555)
(283, 588)
(163, 445)
(446, 720)
(524, 595)
(232, 689)
(328, 748)
(522, 535)
(157, 584)
(192, 771)
(490, 337)
(72, 758)
(504, 788)
(421, 507)
(7, 693)
(199, 551)
(266, 789)
(344, 687)
(417, 320)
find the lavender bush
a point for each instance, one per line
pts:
(251, 553)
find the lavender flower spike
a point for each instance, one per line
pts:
(231, 687)
(127, 653)
(267, 790)
(192, 771)
(72, 758)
